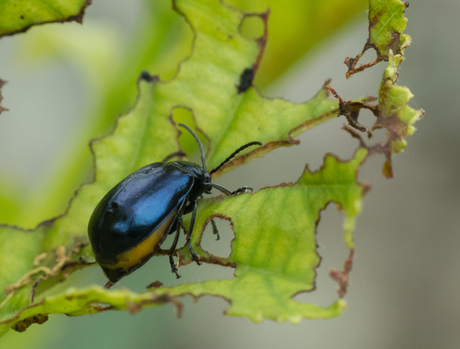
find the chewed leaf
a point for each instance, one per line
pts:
(208, 84)
(274, 251)
(277, 258)
(228, 117)
(15, 17)
(274, 260)
(273, 122)
(386, 27)
(314, 21)
(394, 113)
(47, 254)
(387, 24)
(75, 302)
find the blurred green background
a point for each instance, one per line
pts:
(404, 283)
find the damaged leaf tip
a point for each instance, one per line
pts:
(386, 26)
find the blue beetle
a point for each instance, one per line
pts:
(133, 219)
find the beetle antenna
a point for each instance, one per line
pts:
(233, 155)
(199, 143)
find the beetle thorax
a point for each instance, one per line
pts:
(202, 179)
(207, 183)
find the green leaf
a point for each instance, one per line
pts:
(276, 258)
(74, 302)
(206, 84)
(310, 24)
(18, 16)
(386, 26)
(110, 68)
(274, 250)
(394, 113)
(387, 23)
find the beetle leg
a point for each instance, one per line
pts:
(173, 247)
(222, 189)
(214, 226)
(108, 285)
(242, 190)
(188, 208)
(214, 229)
(189, 234)
(229, 193)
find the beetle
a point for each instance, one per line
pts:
(134, 218)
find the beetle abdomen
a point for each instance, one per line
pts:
(135, 208)
(135, 257)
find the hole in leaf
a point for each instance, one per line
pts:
(369, 56)
(367, 119)
(187, 142)
(222, 247)
(184, 116)
(252, 27)
(333, 252)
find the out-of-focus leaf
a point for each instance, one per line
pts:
(9, 199)
(19, 15)
(55, 248)
(296, 27)
(111, 68)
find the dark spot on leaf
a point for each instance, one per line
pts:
(375, 19)
(22, 325)
(394, 125)
(246, 78)
(21, 17)
(145, 75)
(407, 4)
(394, 43)
(133, 308)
